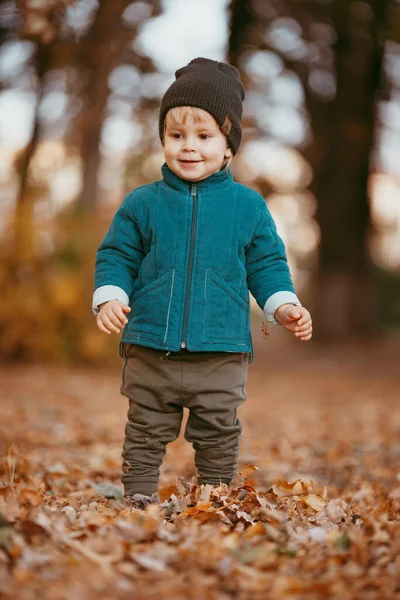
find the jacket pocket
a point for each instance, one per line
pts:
(151, 308)
(225, 316)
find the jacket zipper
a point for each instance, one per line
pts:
(193, 193)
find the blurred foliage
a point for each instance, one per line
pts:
(47, 262)
(46, 299)
(41, 20)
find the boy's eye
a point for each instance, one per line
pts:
(204, 136)
(176, 136)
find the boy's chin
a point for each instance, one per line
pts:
(187, 175)
(192, 177)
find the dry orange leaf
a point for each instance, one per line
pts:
(284, 488)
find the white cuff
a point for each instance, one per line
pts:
(275, 301)
(105, 293)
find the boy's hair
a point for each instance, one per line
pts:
(179, 114)
(213, 86)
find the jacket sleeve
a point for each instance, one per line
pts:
(121, 252)
(105, 293)
(266, 261)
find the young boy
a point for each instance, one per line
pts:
(174, 272)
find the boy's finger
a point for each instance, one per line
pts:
(117, 316)
(304, 320)
(126, 308)
(102, 328)
(305, 315)
(114, 319)
(302, 334)
(109, 325)
(293, 313)
(306, 338)
(121, 316)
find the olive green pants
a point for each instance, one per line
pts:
(210, 384)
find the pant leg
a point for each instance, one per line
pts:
(213, 426)
(154, 417)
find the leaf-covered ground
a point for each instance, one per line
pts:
(316, 516)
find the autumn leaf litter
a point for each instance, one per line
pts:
(65, 532)
(232, 532)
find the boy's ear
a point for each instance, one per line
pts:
(228, 153)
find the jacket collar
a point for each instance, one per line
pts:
(219, 180)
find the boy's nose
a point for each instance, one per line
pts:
(189, 145)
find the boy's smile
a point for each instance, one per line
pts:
(194, 148)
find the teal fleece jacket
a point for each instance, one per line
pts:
(184, 256)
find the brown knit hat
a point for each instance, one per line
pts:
(214, 87)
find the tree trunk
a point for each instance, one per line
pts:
(241, 21)
(22, 20)
(344, 134)
(99, 54)
(23, 230)
(42, 61)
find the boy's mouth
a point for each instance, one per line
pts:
(189, 162)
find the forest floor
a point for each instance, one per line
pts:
(316, 513)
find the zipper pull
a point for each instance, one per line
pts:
(194, 190)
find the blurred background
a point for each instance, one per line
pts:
(80, 86)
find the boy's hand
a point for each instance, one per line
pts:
(296, 319)
(112, 317)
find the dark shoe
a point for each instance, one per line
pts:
(140, 501)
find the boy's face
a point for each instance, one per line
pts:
(194, 148)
